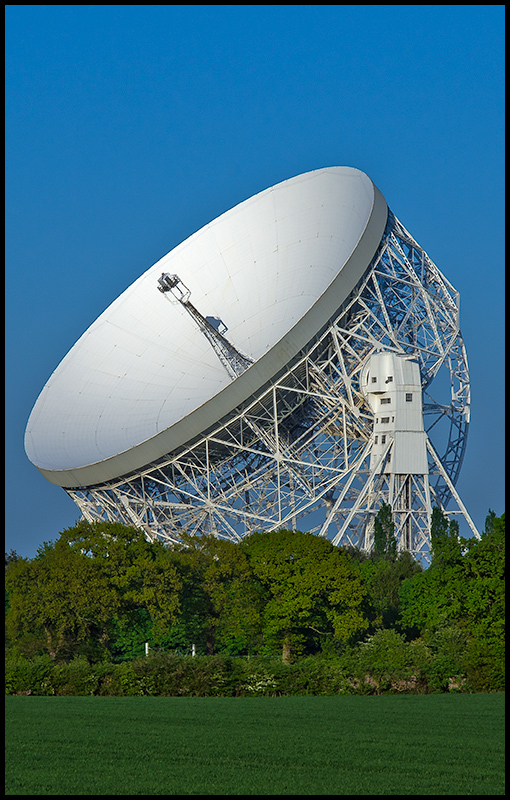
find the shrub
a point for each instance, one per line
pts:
(28, 676)
(76, 678)
(485, 666)
(383, 664)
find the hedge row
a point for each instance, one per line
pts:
(164, 674)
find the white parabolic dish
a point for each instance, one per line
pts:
(143, 380)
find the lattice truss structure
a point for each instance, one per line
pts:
(298, 454)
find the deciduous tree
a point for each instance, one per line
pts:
(385, 543)
(464, 588)
(75, 588)
(310, 584)
(220, 600)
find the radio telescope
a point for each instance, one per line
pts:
(294, 364)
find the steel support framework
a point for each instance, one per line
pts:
(297, 455)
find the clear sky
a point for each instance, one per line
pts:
(129, 127)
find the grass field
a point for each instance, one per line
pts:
(405, 744)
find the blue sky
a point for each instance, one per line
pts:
(130, 127)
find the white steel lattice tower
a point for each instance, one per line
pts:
(329, 376)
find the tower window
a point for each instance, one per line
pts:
(385, 419)
(383, 439)
(409, 397)
(385, 400)
(375, 440)
(374, 380)
(389, 379)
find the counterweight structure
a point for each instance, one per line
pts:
(372, 408)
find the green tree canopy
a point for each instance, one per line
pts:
(446, 544)
(220, 601)
(383, 578)
(76, 587)
(385, 543)
(310, 585)
(463, 586)
(102, 590)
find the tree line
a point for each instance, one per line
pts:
(102, 591)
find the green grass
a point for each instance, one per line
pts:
(405, 744)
